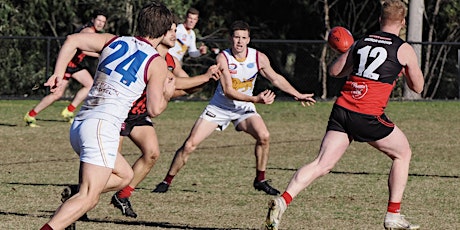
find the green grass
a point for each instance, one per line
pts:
(214, 190)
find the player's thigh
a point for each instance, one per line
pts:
(122, 168)
(145, 137)
(201, 130)
(84, 77)
(333, 146)
(394, 145)
(255, 126)
(93, 178)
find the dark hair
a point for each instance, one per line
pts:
(99, 12)
(239, 25)
(192, 10)
(154, 20)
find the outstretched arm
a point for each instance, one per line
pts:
(91, 42)
(280, 82)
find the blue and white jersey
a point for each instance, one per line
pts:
(120, 79)
(244, 75)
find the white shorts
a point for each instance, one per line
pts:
(223, 117)
(95, 141)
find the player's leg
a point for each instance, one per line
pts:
(46, 101)
(86, 80)
(145, 137)
(200, 131)
(122, 174)
(332, 149)
(255, 126)
(87, 198)
(396, 146)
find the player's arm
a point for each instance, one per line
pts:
(413, 74)
(160, 87)
(343, 65)
(276, 79)
(91, 42)
(183, 81)
(89, 30)
(280, 82)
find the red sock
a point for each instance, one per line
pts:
(168, 179)
(126, 192)
(394, 207)
(46, 227)
(71, 108)
(287, 197)
(260, 175)
(32, 113)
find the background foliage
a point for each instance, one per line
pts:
(290, 32)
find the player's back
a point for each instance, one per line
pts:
(120, 79)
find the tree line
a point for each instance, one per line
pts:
(291, 32)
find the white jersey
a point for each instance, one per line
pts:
(186, 41)
(120, 79)
(244, 75)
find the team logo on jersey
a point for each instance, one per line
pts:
(232, 68)
(251, 65)
(244, 84)
(359, 90)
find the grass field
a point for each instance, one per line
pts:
(214, 190)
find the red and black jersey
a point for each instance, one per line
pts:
(375, 71)
(170, 62)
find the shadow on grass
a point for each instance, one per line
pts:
(372, 173)
(126, 222)
(8, 125)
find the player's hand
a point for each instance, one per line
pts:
(306, 99)
(169, 87)
(203, 49)
(54, 82)
(266, 97)
(214, 72)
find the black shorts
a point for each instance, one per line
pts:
(133, 121)
(359, 127)
(87, 63)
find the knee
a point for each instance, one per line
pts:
(151, 156)
(57, 95)
(264, 138)
(126, 178)
(188, 148)
(92, 199)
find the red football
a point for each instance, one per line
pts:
(340, 39)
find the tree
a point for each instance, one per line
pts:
(415, 28)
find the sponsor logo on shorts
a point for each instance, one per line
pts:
(209, 114)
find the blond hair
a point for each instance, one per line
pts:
(392, 11)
